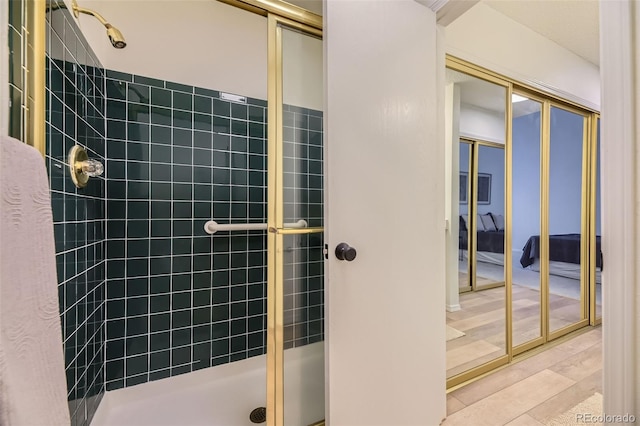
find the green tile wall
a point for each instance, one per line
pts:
(75, 115)
(16, 39)
(179, 299)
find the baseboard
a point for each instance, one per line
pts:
(453, 308)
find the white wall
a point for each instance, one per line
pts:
(620, 41)
(490, 39)
(302, 70)
(203, 43)
(483, 124)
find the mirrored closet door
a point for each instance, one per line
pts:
(525, 260)
(477, 323)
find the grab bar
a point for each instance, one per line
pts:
(211, 227)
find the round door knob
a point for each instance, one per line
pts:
(345, 252)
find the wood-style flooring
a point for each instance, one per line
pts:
(482, 319)
(532, 391)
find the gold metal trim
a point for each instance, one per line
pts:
(568, 329)
(544, 216)
(475, 71)
(524, 356)
(280, 8)
(292, 231)
(275, 346)
(593, 310)
(34, 87)
(275, 216)
(489, 75)
(584, 219)
(528, 345)
(470, 277)
(508, 254)
(471, 374)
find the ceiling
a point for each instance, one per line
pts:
(573, 24)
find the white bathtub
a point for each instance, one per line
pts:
(223, 395)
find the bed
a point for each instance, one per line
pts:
(489, 243)
(564, 249)
(564, 255)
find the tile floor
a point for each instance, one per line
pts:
(532, 391)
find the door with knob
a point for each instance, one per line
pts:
(345, 252)
(384, 216)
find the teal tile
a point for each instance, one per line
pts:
(160, 97)
(148, 81)
(161, 116)
(182, 119)
(116, 75)
(138, 93)
(179, 87)
(182, 101)
(221, 108)
(202, 104)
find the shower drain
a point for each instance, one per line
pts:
(258, 415)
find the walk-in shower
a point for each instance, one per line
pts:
(156, 311)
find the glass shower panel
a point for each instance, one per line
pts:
(302, 246)
(566, 281)
(464, 283)
(526, 294)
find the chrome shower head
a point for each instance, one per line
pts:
(115, 36)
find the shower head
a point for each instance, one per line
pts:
(115, 36)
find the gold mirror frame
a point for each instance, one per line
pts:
(587, 221)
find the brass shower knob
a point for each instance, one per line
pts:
(81, 167)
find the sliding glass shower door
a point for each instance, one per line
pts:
(296, 281)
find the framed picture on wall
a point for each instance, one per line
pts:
(484, 188)
(464, 179)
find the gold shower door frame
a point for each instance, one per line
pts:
(275, 216)
(588, 215)
(280, 15)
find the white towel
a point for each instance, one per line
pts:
(33, 388)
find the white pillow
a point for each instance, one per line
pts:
(499, 221)
(479, 224)
(487, 222)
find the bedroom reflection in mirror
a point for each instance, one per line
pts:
(476, 324)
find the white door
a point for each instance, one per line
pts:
(384, 176)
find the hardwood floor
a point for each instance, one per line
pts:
(535, 390)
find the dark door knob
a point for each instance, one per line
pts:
(345, 252)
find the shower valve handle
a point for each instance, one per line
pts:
(345, 252)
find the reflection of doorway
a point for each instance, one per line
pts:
(481, 222)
